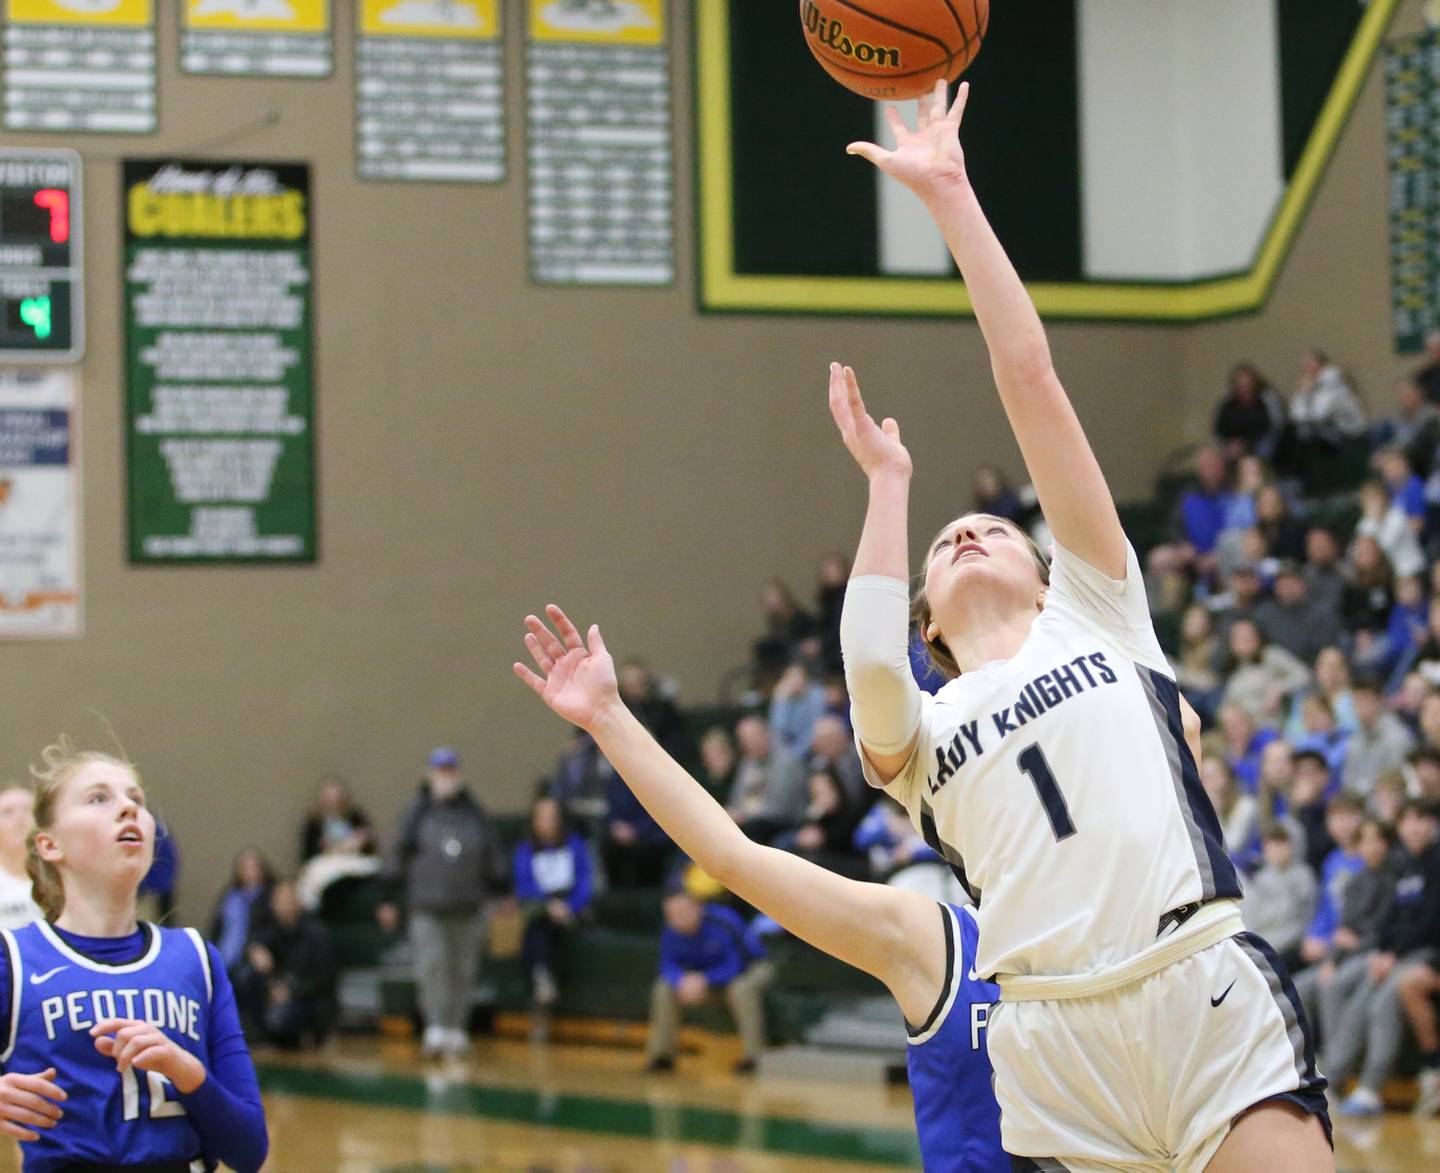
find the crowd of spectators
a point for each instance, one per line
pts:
(1301, 577)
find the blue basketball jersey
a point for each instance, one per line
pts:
(58, 994)
(956, 1115)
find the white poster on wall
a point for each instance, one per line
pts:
(39, 492)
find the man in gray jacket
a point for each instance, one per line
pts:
(448, 858)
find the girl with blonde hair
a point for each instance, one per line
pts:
(119, 1041)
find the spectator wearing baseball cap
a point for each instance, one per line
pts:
(449, 861)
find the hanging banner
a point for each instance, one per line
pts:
(600, 144)
(429, 90)
(80, 66)
(39, 534)
(263, 38)
(1411, 96)
(219, 399)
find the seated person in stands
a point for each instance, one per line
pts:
(1251, 416)
(787, 624)
(1325, 418)
(335, 826)
(634, 849)
(797, 702)
(1260, 677)
(830, 819)
(718, 762)
(337, 843)
(1280, 897)
(582, 780)
(554, 886)
(769, 796)
(644, 697)
(1369, 1023)
(1200, 520)
(833, 748)
(286, 984)
(243, 907)
(1414, 428)
(706, 953)
(1347, 920)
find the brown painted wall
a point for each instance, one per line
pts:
(488, 447)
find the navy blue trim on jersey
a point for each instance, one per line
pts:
(1218, 877)
(1310, 1094)
(931, 834)
(943, 999)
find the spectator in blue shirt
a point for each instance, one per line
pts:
(705, 951)
(797, 702)
(553, 883)
(243, 905)
(1203, 509)
(1342, 822)
(1406, 489)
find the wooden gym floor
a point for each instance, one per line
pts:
(372, 1107)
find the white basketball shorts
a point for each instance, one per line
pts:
(1152, 1074)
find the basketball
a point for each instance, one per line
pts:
(894, 50)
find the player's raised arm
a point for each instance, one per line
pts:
(875, 623)
(891, 934)
(1067, 478)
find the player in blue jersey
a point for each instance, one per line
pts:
(119, 1041)
(922, 951)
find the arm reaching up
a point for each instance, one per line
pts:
(875, 620)
(893, 935)
(1066, 475)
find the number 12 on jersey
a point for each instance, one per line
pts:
(160, 1106)
(1032, 762)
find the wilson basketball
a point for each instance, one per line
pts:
(894, 50)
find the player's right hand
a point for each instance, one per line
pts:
(577, 676)
(876, 447)
(25, 1103)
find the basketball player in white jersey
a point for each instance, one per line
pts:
(1140, 1026)
(17, 819)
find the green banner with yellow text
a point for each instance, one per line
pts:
(220, 403)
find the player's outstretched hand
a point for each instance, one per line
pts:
(876, 447)
(26, 1103)
(577, 677)
(132, 1043)
(928, 160)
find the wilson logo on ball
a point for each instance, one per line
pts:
(829, 32)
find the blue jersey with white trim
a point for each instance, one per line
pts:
(1059, 787)
(58, 994)
(951, 1080)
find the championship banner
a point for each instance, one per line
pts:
(39, 534)
(600, 143)
(1412, 97)
(76, 66)
(429, 90)
(258, 38)
(219, 398)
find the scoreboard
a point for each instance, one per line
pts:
(41, 286)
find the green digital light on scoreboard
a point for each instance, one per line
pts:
(41, 270)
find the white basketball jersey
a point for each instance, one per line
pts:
(1059, 787)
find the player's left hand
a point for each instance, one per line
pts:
(578, 681)
(928, 160)
(132, 1043)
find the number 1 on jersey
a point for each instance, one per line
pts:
(1032, 761)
